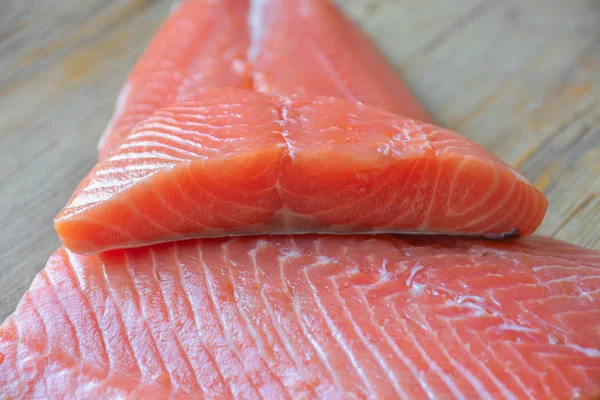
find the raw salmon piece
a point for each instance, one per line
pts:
(310, 317)
(216, 44)
(309, 47)
(241, 162)
(202, 44)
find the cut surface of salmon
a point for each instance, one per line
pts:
(241, 162)
(310, 317)
(215, 44)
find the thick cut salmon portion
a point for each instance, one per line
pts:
(310, 316)
(202, 44)
(216, 44)
(241, 162)
(309, 47)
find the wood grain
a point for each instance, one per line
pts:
(522, 78)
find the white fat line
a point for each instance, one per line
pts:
(112, 184)
(88, 199)
(156, 146)
(129, 168)
(413, 272)
(477, 299)
(148, 155)
(286, 137)
(517, 328)
(588, 351)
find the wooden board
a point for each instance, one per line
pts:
(520, 77)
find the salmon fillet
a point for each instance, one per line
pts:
(246, 44)
(240, 162)
(310, 317)
(303, 316)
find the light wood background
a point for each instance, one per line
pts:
(520, 77)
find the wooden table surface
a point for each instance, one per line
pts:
(520, 77)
